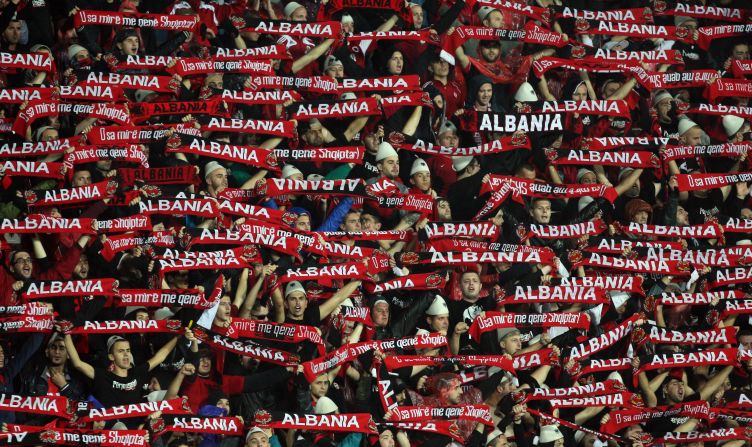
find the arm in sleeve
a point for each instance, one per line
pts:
(336, 216)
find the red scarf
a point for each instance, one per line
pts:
(276, 128)
(127, 327)
(254, 156)
(694, 182)
(419, 281)
(352, 422)
(172, 406)
(532, 188)
(39, 223)
(603, 341)
(590, 228)
(23, 168)
(228, 426)
(190, 298)
(498, 320)
(324, 30)
(80, 194)
(557, 294)
(246, 348)
(325, 110)
(79, 287)
(606, 158)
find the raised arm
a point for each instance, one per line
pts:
(163, 352)
(342, 294)
(83, 367)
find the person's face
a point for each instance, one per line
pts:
(120, 354)
(610, 88)
(439, 323)
(223, 311)
(421, 180)
(369, 223)
(204, 366)
(257, 440)
(580, 93)
(692, 137)
(12, 33)
(217, 180)
(674, 390)
(444, 211)
(588, 440)
(454, 393)
(142, 315)
(501, 441)
(299, 15)
(320, 386)
(56, 353)
(351, 223)
(336, 71)
(541, 211)
(559, 442)
(511, 344)
(417, 16)
(745, 341)
(484, 94)
(588, 179)
(314, 136)
(682, 216)
(740, 52)
(371, 141)
(22, 265)
(395, 63)
(663, 108)
(494, 19)
(386, 439)
(82, 55)
(641, 217)
(746, 213)
(348, 27)
(129, 46)
(490, 54)
(49, 135)
(389, 167)
(449, 139)
(303, 222)
(260, 313)
(440, 68)
(470, 285)
(296, 304)
(380, 314)
(224, 403)
(82, 268)
(214, 80)
(691, 25)
(81, 178)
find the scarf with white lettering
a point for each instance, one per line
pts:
(698, 298)
(252, 98)
(393, 362)
(695, 182)
(708, 230)
(341, 154)
(721, 356)
(263, 330)
(606, 158)
(623, 418)
(76, 195)
(30, 61)
(204, 263)
(27, 309)
(23, 168)
(352, 313)
(422, 35)
(736, 225)
(143, 111)
(248, 155)
(726, 277)
(90, 154)
(325, 110)
(437, 230)
(273, 187)
(666, 267)
(475, 121)
(273, 240)
(589, 390)
(247, 252)
(734, 307)
(740, 69)
(229, 426)
(632, 15)
(127, 327)
(190, 66)
(137, 20)
(396, 84)
(555, 420)
(658, 335)
(178, 405)
(163, 84)
(417, 281)
(723, 88)
(600, 365)
(600, 107)
(534, 359)
(660, 8)
(420, 203)
(718, 110)
(475, 257)
(733, 150)
(605, 143)
(531, 34)
(439, 427)
(125, 135)
(78, 287)
(346, 422)
(684, 79)
(707, 34)
(644, 31)
(57, 406)
(51, 435)
(713, 257)
(622, 399)
(504, 144)
(581, 62)
(628, 283)
(398, 7)
(534, 12)
(39, 223)
(477, 413)
(179, 207)
(352, 270)
(380, 235)
(190, 298)
(40, 148)
(558, 294)
(171, 175)
(27, 323)
(618, 246)
(324, 30)
(314, 84)
(603, 341)
(590, 228)
(531, 188)
(498, 197)
(276, 128)
(121, 242)
(350, 352)
(498, 320)
(246, 348)
(39, 109)
(716, 434)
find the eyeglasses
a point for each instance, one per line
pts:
(22, 261)
(260, 317)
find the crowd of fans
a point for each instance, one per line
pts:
(374, 222)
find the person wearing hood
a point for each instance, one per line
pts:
(479, 99)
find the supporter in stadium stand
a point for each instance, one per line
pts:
(375, 223)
